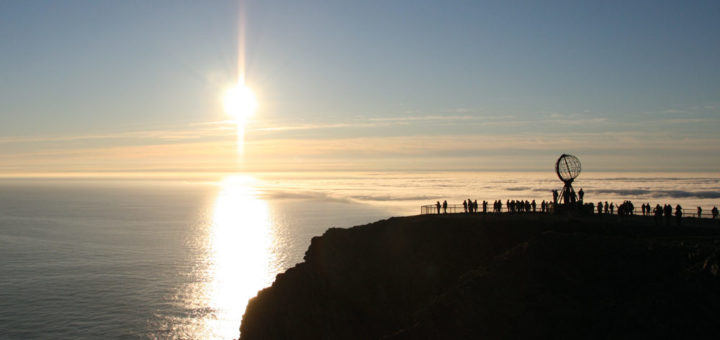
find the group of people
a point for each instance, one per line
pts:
(627, 208)
(514, 206)
(667, 211)
(714, 212)
(609, 208)
(471, 206)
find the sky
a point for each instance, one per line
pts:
(137, 86)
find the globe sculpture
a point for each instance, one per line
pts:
(567, 168)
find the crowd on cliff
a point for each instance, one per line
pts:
(627, 208)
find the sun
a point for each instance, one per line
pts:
(240, 102)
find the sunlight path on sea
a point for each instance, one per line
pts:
(240, 241)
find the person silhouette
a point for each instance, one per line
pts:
(465, 205)
(445, 206)
(699, 212)
(678, 214)
(581, 194)
(438, 206)
(607, 207)
(658, 214)
(714, 212)
(599, 207)
(667, 211)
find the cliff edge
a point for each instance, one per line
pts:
(497, 276)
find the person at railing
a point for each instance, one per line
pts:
(484, 205)
(475, 206)
(678, 214)
(714, 212)
(581, 194)
(607, 207)
(533, 205)
(438, 206)
(599, 207)
(643, 209)
(612, 207)
(444, 207)
(465, 206)
(699, 212)
(658, 214)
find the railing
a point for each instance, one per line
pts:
(460, 209)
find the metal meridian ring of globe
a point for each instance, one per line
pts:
(567, 167)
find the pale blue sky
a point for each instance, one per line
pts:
(442, 85)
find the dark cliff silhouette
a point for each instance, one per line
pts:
(468, 276)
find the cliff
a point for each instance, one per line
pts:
(507, 276)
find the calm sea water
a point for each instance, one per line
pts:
(170, 259)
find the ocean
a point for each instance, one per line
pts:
(133, 258)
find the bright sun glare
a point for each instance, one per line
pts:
(239, 102)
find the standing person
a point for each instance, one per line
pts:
(533, 205)
(668, 214)
(612, 207)
(444, 207)
(607, 207)
(465, 205)
(581, 194)
(714, 212)
(484, 206)
(475, 206)
(658, 214)
(600, 207)
(678, 214)
(699, 212)
(438, 206)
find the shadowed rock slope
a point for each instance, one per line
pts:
(509, 276)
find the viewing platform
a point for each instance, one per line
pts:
(430, 209)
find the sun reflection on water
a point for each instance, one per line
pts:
(240, 240)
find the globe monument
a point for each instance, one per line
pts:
(567, 168)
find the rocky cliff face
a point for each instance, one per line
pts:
(472, 276)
